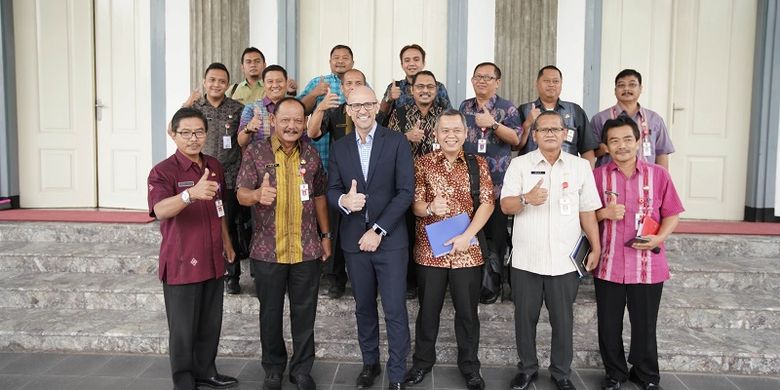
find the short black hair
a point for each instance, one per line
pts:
(628, 72)
(548, 113)
(218, 66)
(273, 68)
(620, 121)
(497, 69)
(337, 47)
(450, 112)
(187, 112)
(412, 46)
(290, 99)
(549, 67)
(252, 50)
(423, 73)
(341, 76)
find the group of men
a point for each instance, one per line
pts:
(349, 192)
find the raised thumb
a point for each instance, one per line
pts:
(205, 175)
(612, 199)
(266, 180)
(353, 189)
(539, 183)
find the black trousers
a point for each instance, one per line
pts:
(558, 293)
(464, 284)
(643, 301)
(194, 321)
(335, 268)
(239, 225)
(497, 234)
(411, 268)
(301, 282)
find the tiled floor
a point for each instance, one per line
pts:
(31, 371)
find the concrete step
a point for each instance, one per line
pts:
(690, 307)
(739, 351)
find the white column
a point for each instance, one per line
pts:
(570, 48)
(481, 38)
(177, 58)
(264, 28)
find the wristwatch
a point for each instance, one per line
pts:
(428, 210)
(522, 200)
(495, 126)
(327, 235)
(378, 230)
(185, 197)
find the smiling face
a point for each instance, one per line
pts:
(622, 143)
(341, 61)
(549, 85)
(288, 121)
(627, 90)
(485, 82)
(363, 118)
(216, 83)
(450, 134)
(275, 85)
(549, 133)
(195, 129)
(412, 62)
(424, 90)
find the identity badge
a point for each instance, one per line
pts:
(565, 206)
(637, 220)
(647, 148)
(436, 146)
(226, 142)
(304, 192)
(481, 145)
(220, 208)
(570, 135)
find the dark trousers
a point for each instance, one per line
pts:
(335, 269)
(236, 216)
(497, 235)
(194, 321)
(464, 284)
(643, 301)
(384, 272)
(411, 268)
(558, 293)
(301, 283)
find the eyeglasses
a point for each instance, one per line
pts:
(425, 86)
(188, 134)
(550, 130)
(357, 106)
(483, 77)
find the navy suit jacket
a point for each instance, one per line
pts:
(389, 188)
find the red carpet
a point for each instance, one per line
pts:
(726, 227)
(43, 215)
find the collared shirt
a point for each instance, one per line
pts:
(442, 99)
(543, 235)
(499, 153)
(405, 117)
(223, 120)
(286, 231)
(322, 144)
(648, 122)
(364, 149)
(246, 93)
(335, 124)
(579, 137)
(266, 107)
(191, 248)
(620, 263)
(434, 173)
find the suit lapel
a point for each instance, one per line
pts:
(376, 151)
(355, 158)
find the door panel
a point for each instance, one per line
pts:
(55, 103)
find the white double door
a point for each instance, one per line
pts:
(83, 102)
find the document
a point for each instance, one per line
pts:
(579, 255)
(443, 231)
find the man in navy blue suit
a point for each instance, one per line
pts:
(371, 180)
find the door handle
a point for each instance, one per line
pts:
(98, 109)
(676, 108)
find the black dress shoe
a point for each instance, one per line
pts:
(304, 382)
(231, 286)
(336, 290)
(396, 386)
(610, 383)
(564, 384)
(474, 381)
(416, 375)
(642, 385)
(522, 380)
(366, 377)
(273, 381)
(218, 381)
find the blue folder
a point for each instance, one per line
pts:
(443, 231)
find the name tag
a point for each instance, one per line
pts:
(647, 148)
(570, 135)
(220, 208)
(436, 146)
(304, 192)
(482, 145)
(565, 206)
(538, 172)
(226, 142)
(185, 183)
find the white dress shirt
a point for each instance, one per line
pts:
(543, 236)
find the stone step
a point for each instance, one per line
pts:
(739, 351)
(682, 244)
(690, 307)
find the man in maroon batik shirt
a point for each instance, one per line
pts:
(185, 194)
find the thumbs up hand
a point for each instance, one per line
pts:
(614, 211)
(321, 88)
(538, 195)
(266, 194)
(439, 206)
(415, 134)
(395, 90)
(331, 100)
(257, 120)
(484, 119)
(204, 189)
(353, 200)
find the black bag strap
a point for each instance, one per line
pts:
(233, 91)
(471, 162)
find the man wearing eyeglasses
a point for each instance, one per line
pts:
(493, 129)
(185, 194)
(371, 181)
(552, 195)
(579, 140)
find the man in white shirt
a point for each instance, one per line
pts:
(553, 197)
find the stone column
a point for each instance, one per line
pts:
(219, 32)
(525, 41)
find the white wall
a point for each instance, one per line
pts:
(481, 38)
(570, 49)
(264, 30)
(777, 175)
(177, 58)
